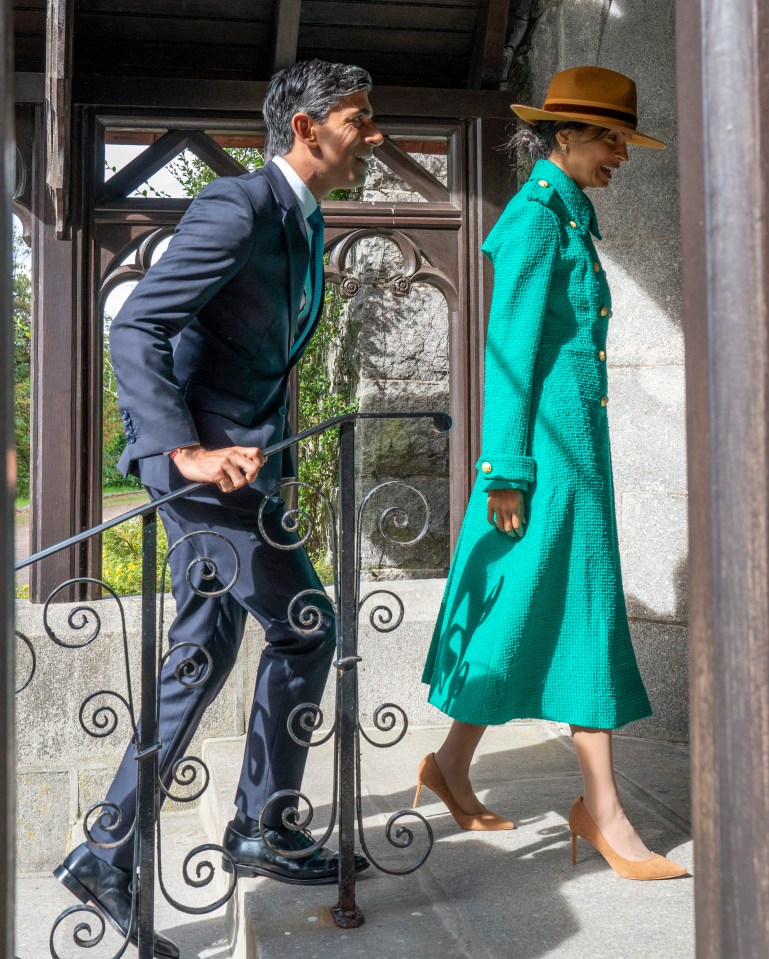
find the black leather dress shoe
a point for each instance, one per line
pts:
(253, 857)
(97, 883)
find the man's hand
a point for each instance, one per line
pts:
(229, 469)
(507, 506)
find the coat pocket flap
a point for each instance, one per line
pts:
(200, 397)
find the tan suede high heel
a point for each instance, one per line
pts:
(657, 867)
(430, 775)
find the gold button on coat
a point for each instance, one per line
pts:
(604, 310)
(543, 183)
(572, 224)
(486, 467)
(601, 355)
(604, 400)
(597, 267)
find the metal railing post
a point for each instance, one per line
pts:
(346, 913)
(147, 746)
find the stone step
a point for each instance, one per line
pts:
(40, 899)
(477, 895)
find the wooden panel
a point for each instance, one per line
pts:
(29, 54)
(184, 9)
(7, 470)
(388, 42)
(410, 16)
(723, 59)
(161, 60)
(93, 29)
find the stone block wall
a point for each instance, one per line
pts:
(639, 219)
(398, 347)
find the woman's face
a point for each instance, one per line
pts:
(591, 160)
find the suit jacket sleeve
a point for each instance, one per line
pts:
(211, 244)
(523, 247)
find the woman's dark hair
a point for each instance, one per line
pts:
(537, 141)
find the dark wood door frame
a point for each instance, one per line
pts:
(7, 459)
(723, 58)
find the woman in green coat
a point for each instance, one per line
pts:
(533, 621)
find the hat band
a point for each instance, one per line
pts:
(593, 111)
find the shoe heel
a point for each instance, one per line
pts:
(574, 849)
(417, 794)
(67, 880)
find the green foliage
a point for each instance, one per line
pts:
(113, 435)
(318, 457)
(22, 354)
(122, 557)
(193, 174)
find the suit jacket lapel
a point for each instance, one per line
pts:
(296, 242)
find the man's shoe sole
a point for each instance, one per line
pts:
(85, 896)
(252, 872)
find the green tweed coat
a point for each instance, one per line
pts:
(536, 627)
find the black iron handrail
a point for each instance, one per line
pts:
(441, 421)
(347, 524)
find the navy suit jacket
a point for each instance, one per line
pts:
(203, 347)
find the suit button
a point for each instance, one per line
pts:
(543, 183)
(572, 224)
(486, 467)
(601, 355)
(604, 310)
(282, 411)
(604, 400)
(597, 267)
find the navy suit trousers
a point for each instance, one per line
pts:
(293, 668)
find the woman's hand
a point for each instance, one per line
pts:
(506, 511)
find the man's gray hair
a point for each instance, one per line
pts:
(311, 86)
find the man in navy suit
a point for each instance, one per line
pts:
(202, 351)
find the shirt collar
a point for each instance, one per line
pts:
(577, 204)
(307, 202)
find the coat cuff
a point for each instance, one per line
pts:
(505, 472)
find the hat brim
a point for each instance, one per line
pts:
(531, 115)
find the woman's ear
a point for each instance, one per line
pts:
(562, 139)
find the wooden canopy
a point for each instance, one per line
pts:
(433, 43)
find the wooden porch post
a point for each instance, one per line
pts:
(7, 483)
(723, 58)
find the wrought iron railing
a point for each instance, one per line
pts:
(99, 711)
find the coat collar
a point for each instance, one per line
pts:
(577, 204)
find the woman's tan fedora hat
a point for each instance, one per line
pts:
(594, 96)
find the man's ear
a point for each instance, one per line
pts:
(303, 126)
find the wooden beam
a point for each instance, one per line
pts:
(220, 161)
(722, 60)
(489, 47)
(286, 40)
(219, 96)
(7, 473)
(147, 164)
(58, 99)
(411, 172)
